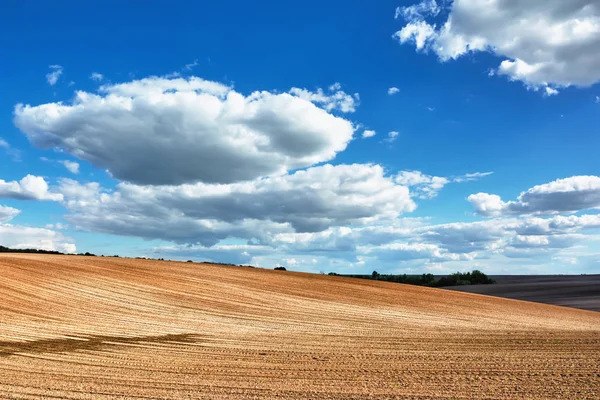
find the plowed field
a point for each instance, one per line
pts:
(103, 328)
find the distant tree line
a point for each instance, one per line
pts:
(475, 277)
(4, 249)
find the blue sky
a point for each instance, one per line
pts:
(135, 130)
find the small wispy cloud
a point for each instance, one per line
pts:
(368, 133)
(57, 225)
(392, 136)
(334, 98)
(418, 11)
(597, 99)
(550, 92)
(52, 76)
(13, 153)
(427, 186)
(95, 76)
(471, 177)
(393, 90)
(72, 166)
(190, 66)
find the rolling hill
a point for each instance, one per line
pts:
(75, 327)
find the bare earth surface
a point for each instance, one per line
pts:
(104, 328)
(578, 291)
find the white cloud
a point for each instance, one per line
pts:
(7, 213)
(346, 216)
(393, 90)
(563, 195)
(335, 87)
(95, 76)
(468, 237)
(368, 133)
(331, 240)
(17, 236)
(335, 99)
(540, 241)
(20, 237)
(394, 243)
(418, 32)
(546, 44)
(54, 74)
(392, 136)
(487, 204)
(29, 188)
(290, 261)
(418, 11)
(312, 200)
(427, 186)
(4, 144)
(391, 246)
(190, 66)
(597, 99)
(57, 225)
(173, 131)
(558, 225)
(508, 237)
(234, 254)
(550, 91)
(72, 166)
(414, 251)
(471, 177)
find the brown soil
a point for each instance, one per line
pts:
(105, 328)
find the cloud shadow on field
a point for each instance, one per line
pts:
(65, 345)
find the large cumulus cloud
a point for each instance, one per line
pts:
(543, 43)
(157, 131)
(310, 200)
(29, 188)
(571, 194)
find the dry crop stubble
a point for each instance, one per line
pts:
(103, 328)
